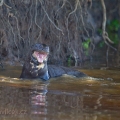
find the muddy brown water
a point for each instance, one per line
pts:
(63, 98)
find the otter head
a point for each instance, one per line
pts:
(39, 54)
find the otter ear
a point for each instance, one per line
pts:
(46, 47)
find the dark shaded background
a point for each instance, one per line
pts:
(72, 29)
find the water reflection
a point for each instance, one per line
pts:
(38, 99)
(69, 105)
(55, 104)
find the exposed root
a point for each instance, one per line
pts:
(61, 24)
(104, 33)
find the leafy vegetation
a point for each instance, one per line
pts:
(69, 61)
(85, 45)
(112, 28)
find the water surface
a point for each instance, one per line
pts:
(63, 98)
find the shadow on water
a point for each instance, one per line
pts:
(63, 98)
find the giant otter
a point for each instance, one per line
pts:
(35, 65)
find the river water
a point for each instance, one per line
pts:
(63, 98)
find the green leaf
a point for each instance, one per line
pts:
(86, 43)
(101, 44)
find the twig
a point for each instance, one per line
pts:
(1, 2)
(30, 23)
(76, 5)
(18, 28)
(64, 1)
(107, 53)
(68, 31)
(36, 20)
(50, 19)
(83, 20)
(11, 15)
(7, 5)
